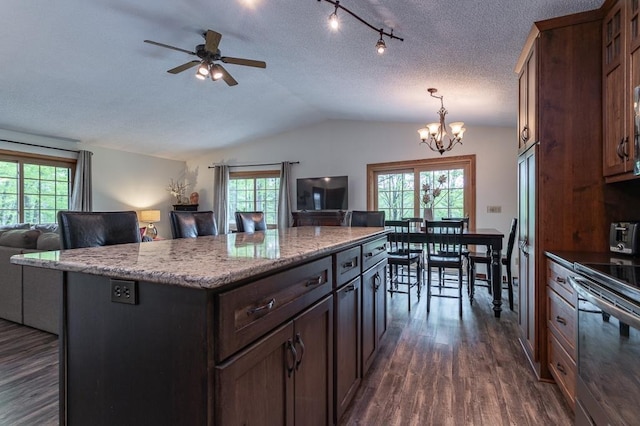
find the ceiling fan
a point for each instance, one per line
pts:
(209, 54)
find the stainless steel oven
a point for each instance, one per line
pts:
(608, 388)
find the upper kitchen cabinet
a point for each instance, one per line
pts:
(527, 102)
(621, 89)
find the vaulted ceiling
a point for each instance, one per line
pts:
(80, 69)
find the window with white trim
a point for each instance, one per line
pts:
(254, 191)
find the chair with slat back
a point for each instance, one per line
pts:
(444, 250)
(485, 259)
(367, 218)
(94, 229)
(405, 265)
(465, 252)
(186, 224)
(250, 221)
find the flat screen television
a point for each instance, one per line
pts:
(323, 193)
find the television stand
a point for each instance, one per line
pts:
(319, 218)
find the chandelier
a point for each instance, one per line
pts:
(433, 135)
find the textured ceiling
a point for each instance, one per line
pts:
(80, 69)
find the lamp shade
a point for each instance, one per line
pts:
(150, 216)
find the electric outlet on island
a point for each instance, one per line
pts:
(124, 292)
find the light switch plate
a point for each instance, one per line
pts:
(494, 209)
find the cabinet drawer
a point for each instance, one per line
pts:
(563, 369)
(251, 311)
(561, 318)
(373, 252)
(558, 279)
(347, 265)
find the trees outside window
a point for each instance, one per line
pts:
(254, 191)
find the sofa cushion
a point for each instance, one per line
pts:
(23, 238)
(49, 241)
(46, 227)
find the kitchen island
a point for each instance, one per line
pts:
(230, 329)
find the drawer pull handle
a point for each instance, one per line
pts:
(561, 368)
(315, 281)
(561, 280)
(301, 343)
(294, 354)
(350, 288)
(561, 320)
(266, 307)
(369, 254)
(349, 264)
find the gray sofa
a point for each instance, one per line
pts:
(29, 296)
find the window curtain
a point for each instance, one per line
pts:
(81, 195)
(220, 191)
(285, 218)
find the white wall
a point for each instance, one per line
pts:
(340, 147)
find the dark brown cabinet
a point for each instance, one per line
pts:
(374, 312)
(285, 378)
(561, 193)
(348, 302)
(621, 77)
(527, 103)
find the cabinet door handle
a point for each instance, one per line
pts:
(315, 281)
(294, 354)
(620, 150)
(561, 368)
(561, 320)
(376, 281)
(524, 135)
(302, 349)
(266, 307)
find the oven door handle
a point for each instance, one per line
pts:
(621, 314)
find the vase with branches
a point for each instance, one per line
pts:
(430, 193)
(177, 190)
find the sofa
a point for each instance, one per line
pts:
(28, 295)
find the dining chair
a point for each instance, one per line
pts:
(485, 259)
(367, 218)
(405, 265)
(186, 224)
(250, 221)
(94, 229)
(444, 250)
(465, 250)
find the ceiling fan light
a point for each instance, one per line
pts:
(216, 72)
(200, 76)
(203, 69)
(380, 46)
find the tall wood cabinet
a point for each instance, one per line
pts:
(621, 88)
(561, 190)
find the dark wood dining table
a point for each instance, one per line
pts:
(492, 239)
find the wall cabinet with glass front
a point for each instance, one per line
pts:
(621, 88)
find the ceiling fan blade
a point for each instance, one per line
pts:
(240, 61)
(212, 39)
(183, 67)
(227, 77)
(170, 47)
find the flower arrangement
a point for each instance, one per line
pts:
(430, 194)
(177, 189)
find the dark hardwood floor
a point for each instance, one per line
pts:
(435, 370)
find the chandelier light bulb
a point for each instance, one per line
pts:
(433, 134)
(456, 128)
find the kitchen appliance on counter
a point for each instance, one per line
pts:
(608, 344)
(624, 237)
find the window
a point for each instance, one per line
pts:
(254, 191)
(33, 187)
(396, 188)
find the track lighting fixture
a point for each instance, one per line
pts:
(380, 46)
(333, 23)
(433, 134)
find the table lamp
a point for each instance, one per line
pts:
(150, 216)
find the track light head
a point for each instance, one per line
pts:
(380, 46)
(334, 23)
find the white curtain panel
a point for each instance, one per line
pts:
(285, 218)
(82, 193)
(220, 192)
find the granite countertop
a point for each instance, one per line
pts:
(568, 258)
(204, 262)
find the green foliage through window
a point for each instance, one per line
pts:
(254, 194)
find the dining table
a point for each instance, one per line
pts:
(492, 239)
